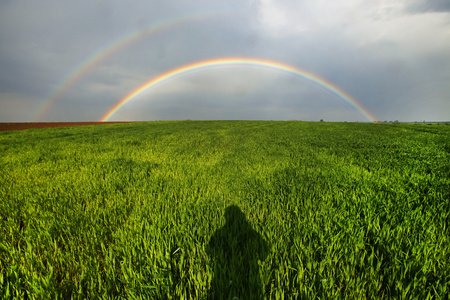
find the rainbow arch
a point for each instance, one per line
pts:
(239, 61)
(97, 57)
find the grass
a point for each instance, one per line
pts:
(218, 209)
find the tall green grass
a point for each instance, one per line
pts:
(142, 210)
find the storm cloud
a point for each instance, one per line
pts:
(73, 61)
(424, 6)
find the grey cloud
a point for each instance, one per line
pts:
(42, 43)
(19, 76)
(423, 6)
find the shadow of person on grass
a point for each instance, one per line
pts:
(235, 250)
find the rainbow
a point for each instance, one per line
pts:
(113, 47)
(254, 62)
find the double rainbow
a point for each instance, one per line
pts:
(233, 61)
(97, 57)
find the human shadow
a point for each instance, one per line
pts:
(235, 250)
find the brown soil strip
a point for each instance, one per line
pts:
(22, 126)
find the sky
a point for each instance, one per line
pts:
(354, 60)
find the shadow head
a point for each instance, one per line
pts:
(234, 214)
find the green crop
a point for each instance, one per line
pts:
(224, 209)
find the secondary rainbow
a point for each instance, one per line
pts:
(233, 61)
(96, 58)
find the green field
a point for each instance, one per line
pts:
(218, 209)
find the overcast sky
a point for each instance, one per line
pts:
(74, 60)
